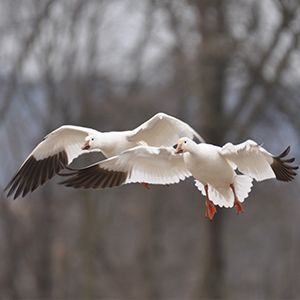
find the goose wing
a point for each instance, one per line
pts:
(154, 165)
(163, 130)
(256, 162)
(53, 154)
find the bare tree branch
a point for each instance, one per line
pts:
(12, 81)
(256, 71)
(269, 88)
(138, 53)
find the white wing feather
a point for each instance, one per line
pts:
(224, 196)
(162, 130)
(68, 138)
(250, 158)
(154, 165)
(48, 158)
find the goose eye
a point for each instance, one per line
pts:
(185, 142)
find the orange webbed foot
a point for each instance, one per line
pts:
(210, 209)
(146, 185)
(238, 205)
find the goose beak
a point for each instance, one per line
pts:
(178, 149)
(86, 145)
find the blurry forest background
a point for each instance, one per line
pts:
(230, 68)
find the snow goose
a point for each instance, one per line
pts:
(214, 167)
(59, 148)
(154, 165)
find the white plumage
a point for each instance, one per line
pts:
(154, 165)
(145, 155)
(59, 148)
(214, 167)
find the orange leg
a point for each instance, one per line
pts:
(210, 207)
(237, 203)
(146, 185)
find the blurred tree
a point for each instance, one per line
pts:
(226, 67)
(217, 53)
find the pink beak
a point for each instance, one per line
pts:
(86, 145)
(178, 149)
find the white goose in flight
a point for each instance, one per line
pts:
(59, 148)
(213, 168)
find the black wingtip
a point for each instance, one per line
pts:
(94, 177)
(283, 171)
(34, 173)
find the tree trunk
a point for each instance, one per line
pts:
(210, 83)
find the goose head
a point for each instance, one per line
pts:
(89, 143)
(183, 145)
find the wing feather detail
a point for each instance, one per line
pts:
(154, 165)
(34, 173)
(53, 154)
(256, 162)
(163, 130)
(283, 171)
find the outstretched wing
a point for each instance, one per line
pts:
(256, 162)
(53, 154)
(163, 130)
(154, 165)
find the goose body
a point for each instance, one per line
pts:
(60, 147)
(110, 143)
(214, 167)
(205, 162)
